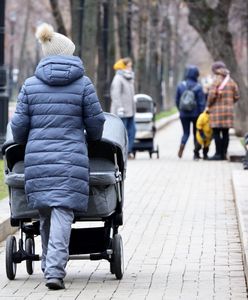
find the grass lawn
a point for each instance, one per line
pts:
(3, 186)
(167, 113)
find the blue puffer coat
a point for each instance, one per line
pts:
(54, 107)
(191, 76)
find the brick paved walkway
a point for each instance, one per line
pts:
(180, 235)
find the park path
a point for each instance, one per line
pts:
(180, 234)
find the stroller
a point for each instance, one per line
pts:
(108, 159)
(145, 125)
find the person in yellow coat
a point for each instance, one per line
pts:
(203, 133)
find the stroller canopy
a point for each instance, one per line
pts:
(144, 103)
(114, 132)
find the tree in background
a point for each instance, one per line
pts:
(58, 17)
(155, 33)
(212, 25)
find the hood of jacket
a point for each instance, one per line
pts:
(59, 69)
(192, 73)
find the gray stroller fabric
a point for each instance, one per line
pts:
(115, 133)
(102, 172)
(19, 206)
(103, 194)
(18, 202)
(16, 177)
(102, 198)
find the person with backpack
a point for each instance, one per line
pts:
(222, 96)
(190, 101)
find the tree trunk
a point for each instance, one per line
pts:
(102, 38)
(111, 56)
(58, 17)
(175, 41)
(212, 25)
(77, 16)
(154, 70)
(166, 58)
(121, 17)
(141, 69)
(89, 49)
(129, 29)
(21, 63)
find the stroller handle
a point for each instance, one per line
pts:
(6, 145)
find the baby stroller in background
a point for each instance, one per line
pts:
(145, 125)
(108, 159)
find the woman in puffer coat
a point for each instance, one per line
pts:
(54, 108)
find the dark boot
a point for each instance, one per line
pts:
(205, 153)
(180, 151)
(216, 157)
(55, 284)
(196, 156)
(196, 151)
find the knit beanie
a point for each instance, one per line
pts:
(53, 43)
(119, 65)
(218, 65)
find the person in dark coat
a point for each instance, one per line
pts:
(54, 108)
(188, 117)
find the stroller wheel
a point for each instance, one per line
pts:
(29, 248)
(11, 248)
(157, 152)
(117, 264)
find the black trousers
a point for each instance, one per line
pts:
(221, 139)
(198, 147)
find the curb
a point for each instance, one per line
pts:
(5, 227)
(236, 152)
(240, 191)
(166, 121)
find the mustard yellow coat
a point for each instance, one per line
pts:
(204, 125)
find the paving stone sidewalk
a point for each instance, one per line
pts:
(180, 233)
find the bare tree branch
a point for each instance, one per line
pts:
(58, 17)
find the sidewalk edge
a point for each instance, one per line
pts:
(5, 227)
(240, 192)
(160, 124)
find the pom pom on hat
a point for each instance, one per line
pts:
(53, 43)
(44, 33)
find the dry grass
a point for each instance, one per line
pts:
(3, 186)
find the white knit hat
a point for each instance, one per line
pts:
(53, 43)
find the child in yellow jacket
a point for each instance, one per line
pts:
(204, 133)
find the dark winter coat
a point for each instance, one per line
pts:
(54, 107)
(191, 76)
